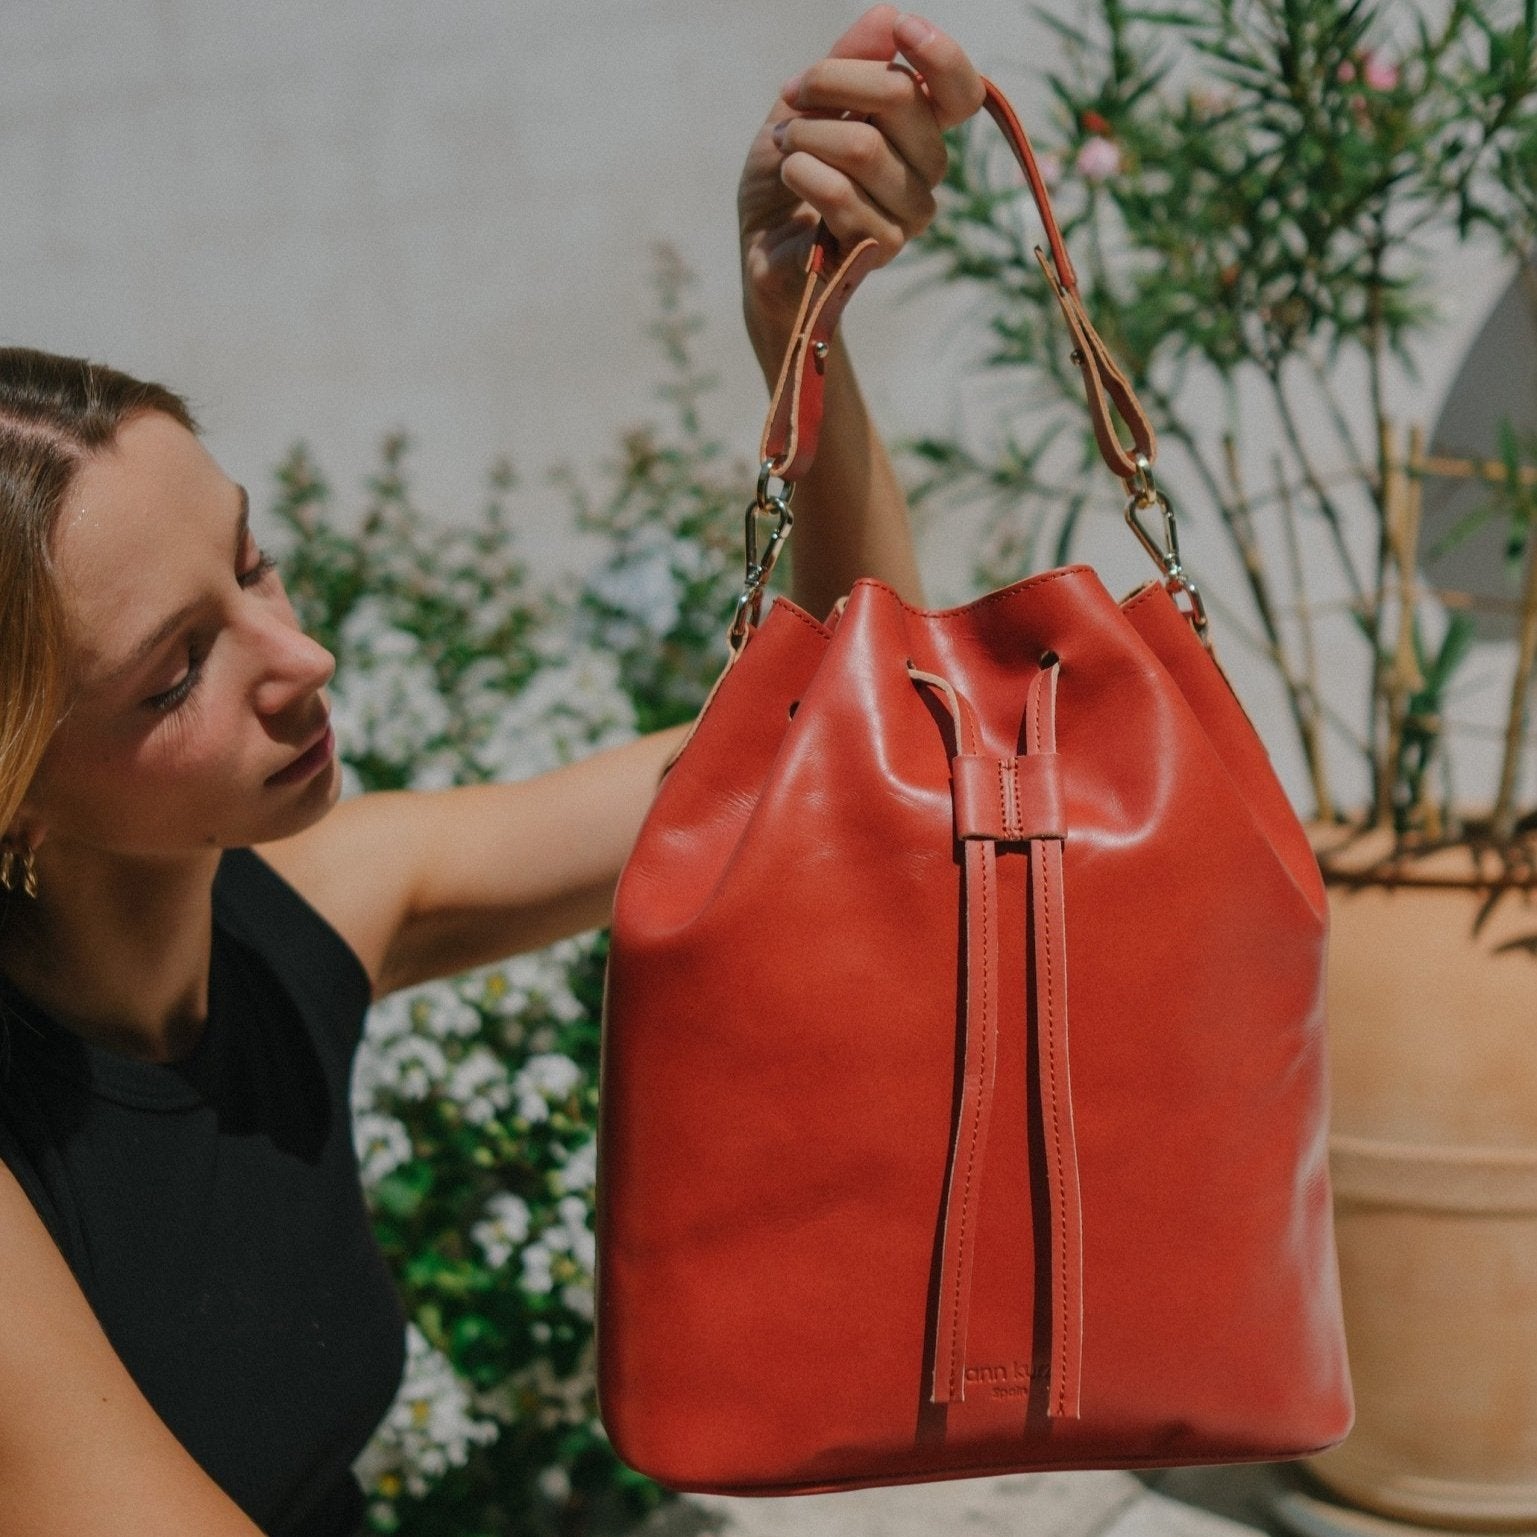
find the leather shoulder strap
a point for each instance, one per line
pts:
(789, 442)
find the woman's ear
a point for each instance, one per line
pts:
(27, 832)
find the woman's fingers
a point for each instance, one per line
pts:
(857, 140)
(885, 94)
(861, 151)
(953, 84)
(847, 210)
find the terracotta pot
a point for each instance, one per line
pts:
(1433, 1020)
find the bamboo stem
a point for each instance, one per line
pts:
(1492, 470)
(1387, 696)
(1504, 818)
(1408, 680)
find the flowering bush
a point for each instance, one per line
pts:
(475, 1098)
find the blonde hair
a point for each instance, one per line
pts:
(54, 413)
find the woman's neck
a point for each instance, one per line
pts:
(116, 948)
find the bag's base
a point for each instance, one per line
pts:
(945, 1475)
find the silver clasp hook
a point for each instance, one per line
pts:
(1143, 493)
(756, 572)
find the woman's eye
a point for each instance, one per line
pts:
(179, 691)
(254, 574)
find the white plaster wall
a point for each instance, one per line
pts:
(324, 219)
(321, 220)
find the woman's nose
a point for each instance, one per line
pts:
(294, 667)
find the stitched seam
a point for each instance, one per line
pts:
(976, 1126)
(1003, 799)
(1060, 1266)
(1056, 1130)
(791, 608)
(1142, 597)
(1001, 596)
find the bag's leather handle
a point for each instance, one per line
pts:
(789, 441)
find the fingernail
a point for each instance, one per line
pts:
(779, 131)
(912, 31)
(791, 88)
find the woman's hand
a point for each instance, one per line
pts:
(855, 140)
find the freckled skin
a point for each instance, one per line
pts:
(148, 526)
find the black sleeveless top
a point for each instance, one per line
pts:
(212, 1212)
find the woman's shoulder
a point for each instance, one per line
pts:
(256, 904)
(352, 870)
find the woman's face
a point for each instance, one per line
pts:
(199, 717)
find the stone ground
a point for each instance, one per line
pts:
(1181, 1502)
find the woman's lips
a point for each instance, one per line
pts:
(310, 761)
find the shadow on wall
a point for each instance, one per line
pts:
(1497, 381)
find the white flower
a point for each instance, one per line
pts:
(390, 707)
(436, 771)
(643, 587)
(413, 1066)
(555, 1484)
(544, 1079)
(565, 710)
(537, 1277)
(389, 1019)
(429, 1428)
(503, 1228)
(382, 1145)
(570, 1242)
(559, 1400)
(539, 980)
(576, 1238)
(578, 1296)
(478, 1085)
(580, 1170)
(448, 1015)
(370, 634)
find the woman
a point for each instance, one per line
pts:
(199, 1331)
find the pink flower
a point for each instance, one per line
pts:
(1380, 74)
(1099, 159)
(1347, 71)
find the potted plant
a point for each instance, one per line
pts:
(1262, 197)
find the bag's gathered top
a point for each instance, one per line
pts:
(963, 1085)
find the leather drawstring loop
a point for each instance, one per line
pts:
(1028, 809)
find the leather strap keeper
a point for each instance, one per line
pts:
(1010, 800)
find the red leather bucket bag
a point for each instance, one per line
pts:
(963, 1095)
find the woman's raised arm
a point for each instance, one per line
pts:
(857, 141)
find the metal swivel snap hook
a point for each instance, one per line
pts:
(1143, 494)
(756, 572)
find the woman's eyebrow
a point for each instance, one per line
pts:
(173, 622)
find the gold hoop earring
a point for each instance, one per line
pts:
(25, 876)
